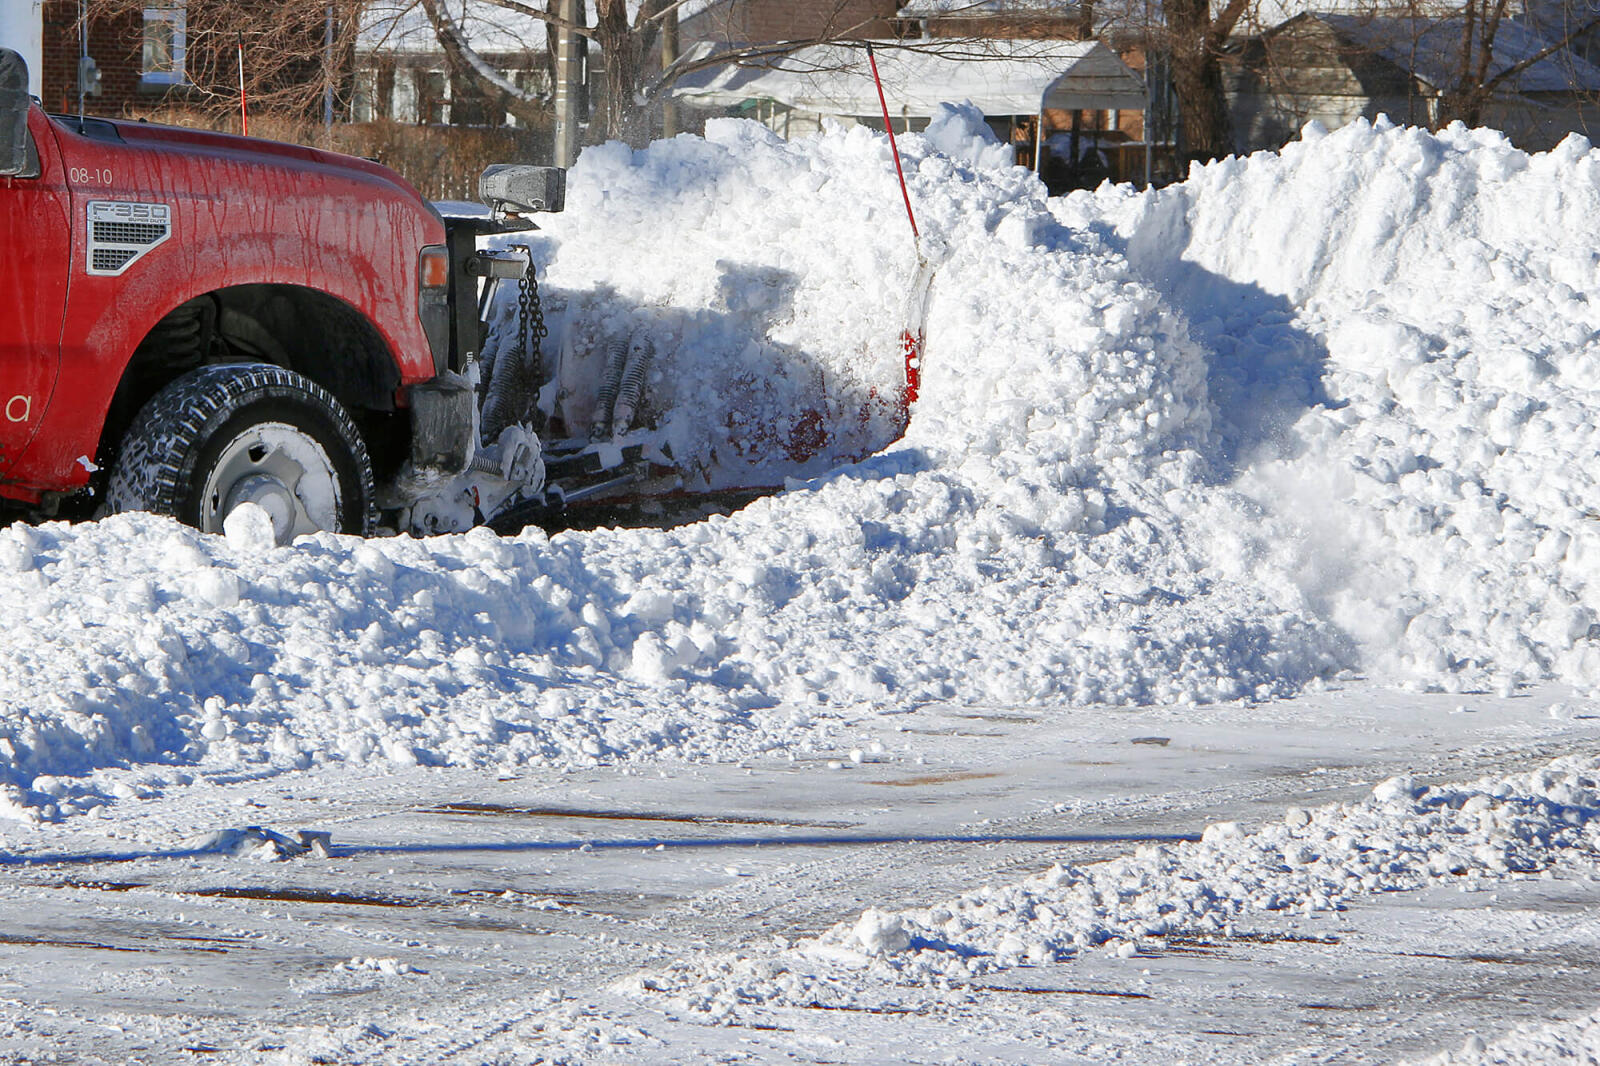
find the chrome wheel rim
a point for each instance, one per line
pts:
(281, 469)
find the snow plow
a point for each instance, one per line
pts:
(530, 458)
(570, 413)
(201, 320)
(565, 419)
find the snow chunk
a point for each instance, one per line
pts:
(960, 132)
(263, 845)
(249, 530)
(881, 933)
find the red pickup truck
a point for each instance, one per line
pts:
(193, 320)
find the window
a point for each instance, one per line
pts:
(432, 98)
(165, 41)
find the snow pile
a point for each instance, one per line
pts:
(1401, 837)
(1025, 542)
(1172, 447)
(1576, 1042)
(765, 278)
(1406, 338)
(138, 642)
(960, 132)
(263, 845)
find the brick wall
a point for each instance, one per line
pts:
(777, 20)
(1035, 27)
(290, 83)
(114, 43)
(792, 20)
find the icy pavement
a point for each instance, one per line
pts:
(468, 918)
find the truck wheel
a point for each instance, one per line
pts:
(236, 433)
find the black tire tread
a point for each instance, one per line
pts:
(155, 467)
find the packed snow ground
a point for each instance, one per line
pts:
(1577, 1041)
(1402, 837)
(476, 917)
(1304, 416)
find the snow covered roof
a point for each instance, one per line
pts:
(958, 8)
(401, 27)
(1430, 49)
(999, 77)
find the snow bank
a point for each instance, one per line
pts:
(1186, 446)
(1406, 339)
(1014, 547)
(1401, 837)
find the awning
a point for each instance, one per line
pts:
(999, 77)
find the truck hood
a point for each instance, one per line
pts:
(243, 149)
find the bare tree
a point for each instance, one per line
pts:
(1475, 77)
(1434, 62)
(528, 105)
(284, 58)
(1459, 54)
(633, 90)
(1192, 35)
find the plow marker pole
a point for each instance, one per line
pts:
(912, 336)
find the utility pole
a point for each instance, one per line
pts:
(569, 83)
(85, 64)
(669, 56)
(327, 79)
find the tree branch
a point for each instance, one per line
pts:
(1544, 53)
(1223, 24)
(546, 17)
(1491, 27)
(463, 57)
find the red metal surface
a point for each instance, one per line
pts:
(911, 348)
(243, 211)
(35, 242)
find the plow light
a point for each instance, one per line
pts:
(510, 188)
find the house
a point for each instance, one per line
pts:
(403, 75)
(996, 19)
(756, 21)
(1004, 79)
(820, 20)
(193, 54)
(142, 57)
(1335, 68)
(1023, 62)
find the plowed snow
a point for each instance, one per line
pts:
(1304, 414)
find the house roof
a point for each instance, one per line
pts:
(401, 27)
(1430, 49)
(1000, 77)
(978, 8)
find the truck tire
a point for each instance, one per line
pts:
(233, 433)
